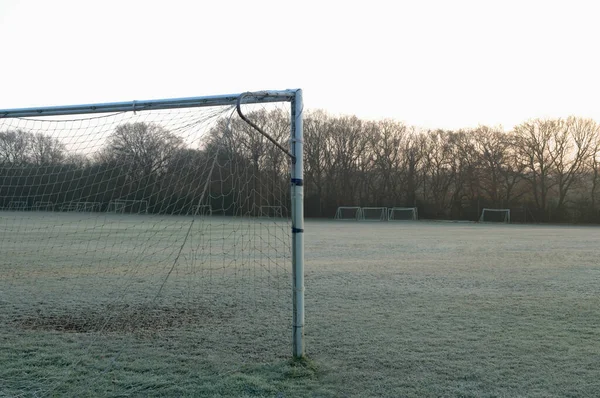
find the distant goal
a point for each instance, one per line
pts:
(495, 215)
(403, 214)
(128, 206)
(43, 206)
(374, 214)
(348, 213)
(202, 210)
(81, 206)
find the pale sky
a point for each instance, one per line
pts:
(432, 64)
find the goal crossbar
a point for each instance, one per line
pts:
(172, 103)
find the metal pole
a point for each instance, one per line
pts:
(297, 189)
(138, 106)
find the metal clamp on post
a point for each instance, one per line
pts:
(297, 182)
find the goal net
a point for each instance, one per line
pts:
(403, 214)
(202, 210)
(119, 270)
(43, 206)
(495, 215)
(81, 206)
(128, 206)
(270, 211)
(374, 213)
(348, 213)
(17, 205)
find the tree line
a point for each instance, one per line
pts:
(544, 170)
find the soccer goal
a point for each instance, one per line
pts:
(202, 210)
(270, 211)
(106, 283)
(348, 213)
(495, 215)
(43, 206)
(403, 214)
(81, 206)
(374, 214)
(72, 206)
(128, 206)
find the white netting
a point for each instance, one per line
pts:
(135, 237)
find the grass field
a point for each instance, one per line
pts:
(412, 309)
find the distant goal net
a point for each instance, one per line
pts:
(202, 210)
(495, 215)
(81, 206)
(128, 206)
(133, 233)
(403, 214)
(348, 213)
(374, 214)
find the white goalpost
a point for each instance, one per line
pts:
(374, 214)
(92, 274)
(403, 214)
(495, 215)
(348, 213)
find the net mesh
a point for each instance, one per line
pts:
(133, 238)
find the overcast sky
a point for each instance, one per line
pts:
(446, 64)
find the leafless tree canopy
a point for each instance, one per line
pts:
(545, 170)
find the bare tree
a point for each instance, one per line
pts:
(317, 157)
(387, 142)
(347, 142)
(46, 150)
(571, 146)
(15, 147)
(533, 140)
(145, 148)
(437, 158)
(594, 163)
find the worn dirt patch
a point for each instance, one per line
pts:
(122, 318)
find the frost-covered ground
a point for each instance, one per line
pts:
(392, 309)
